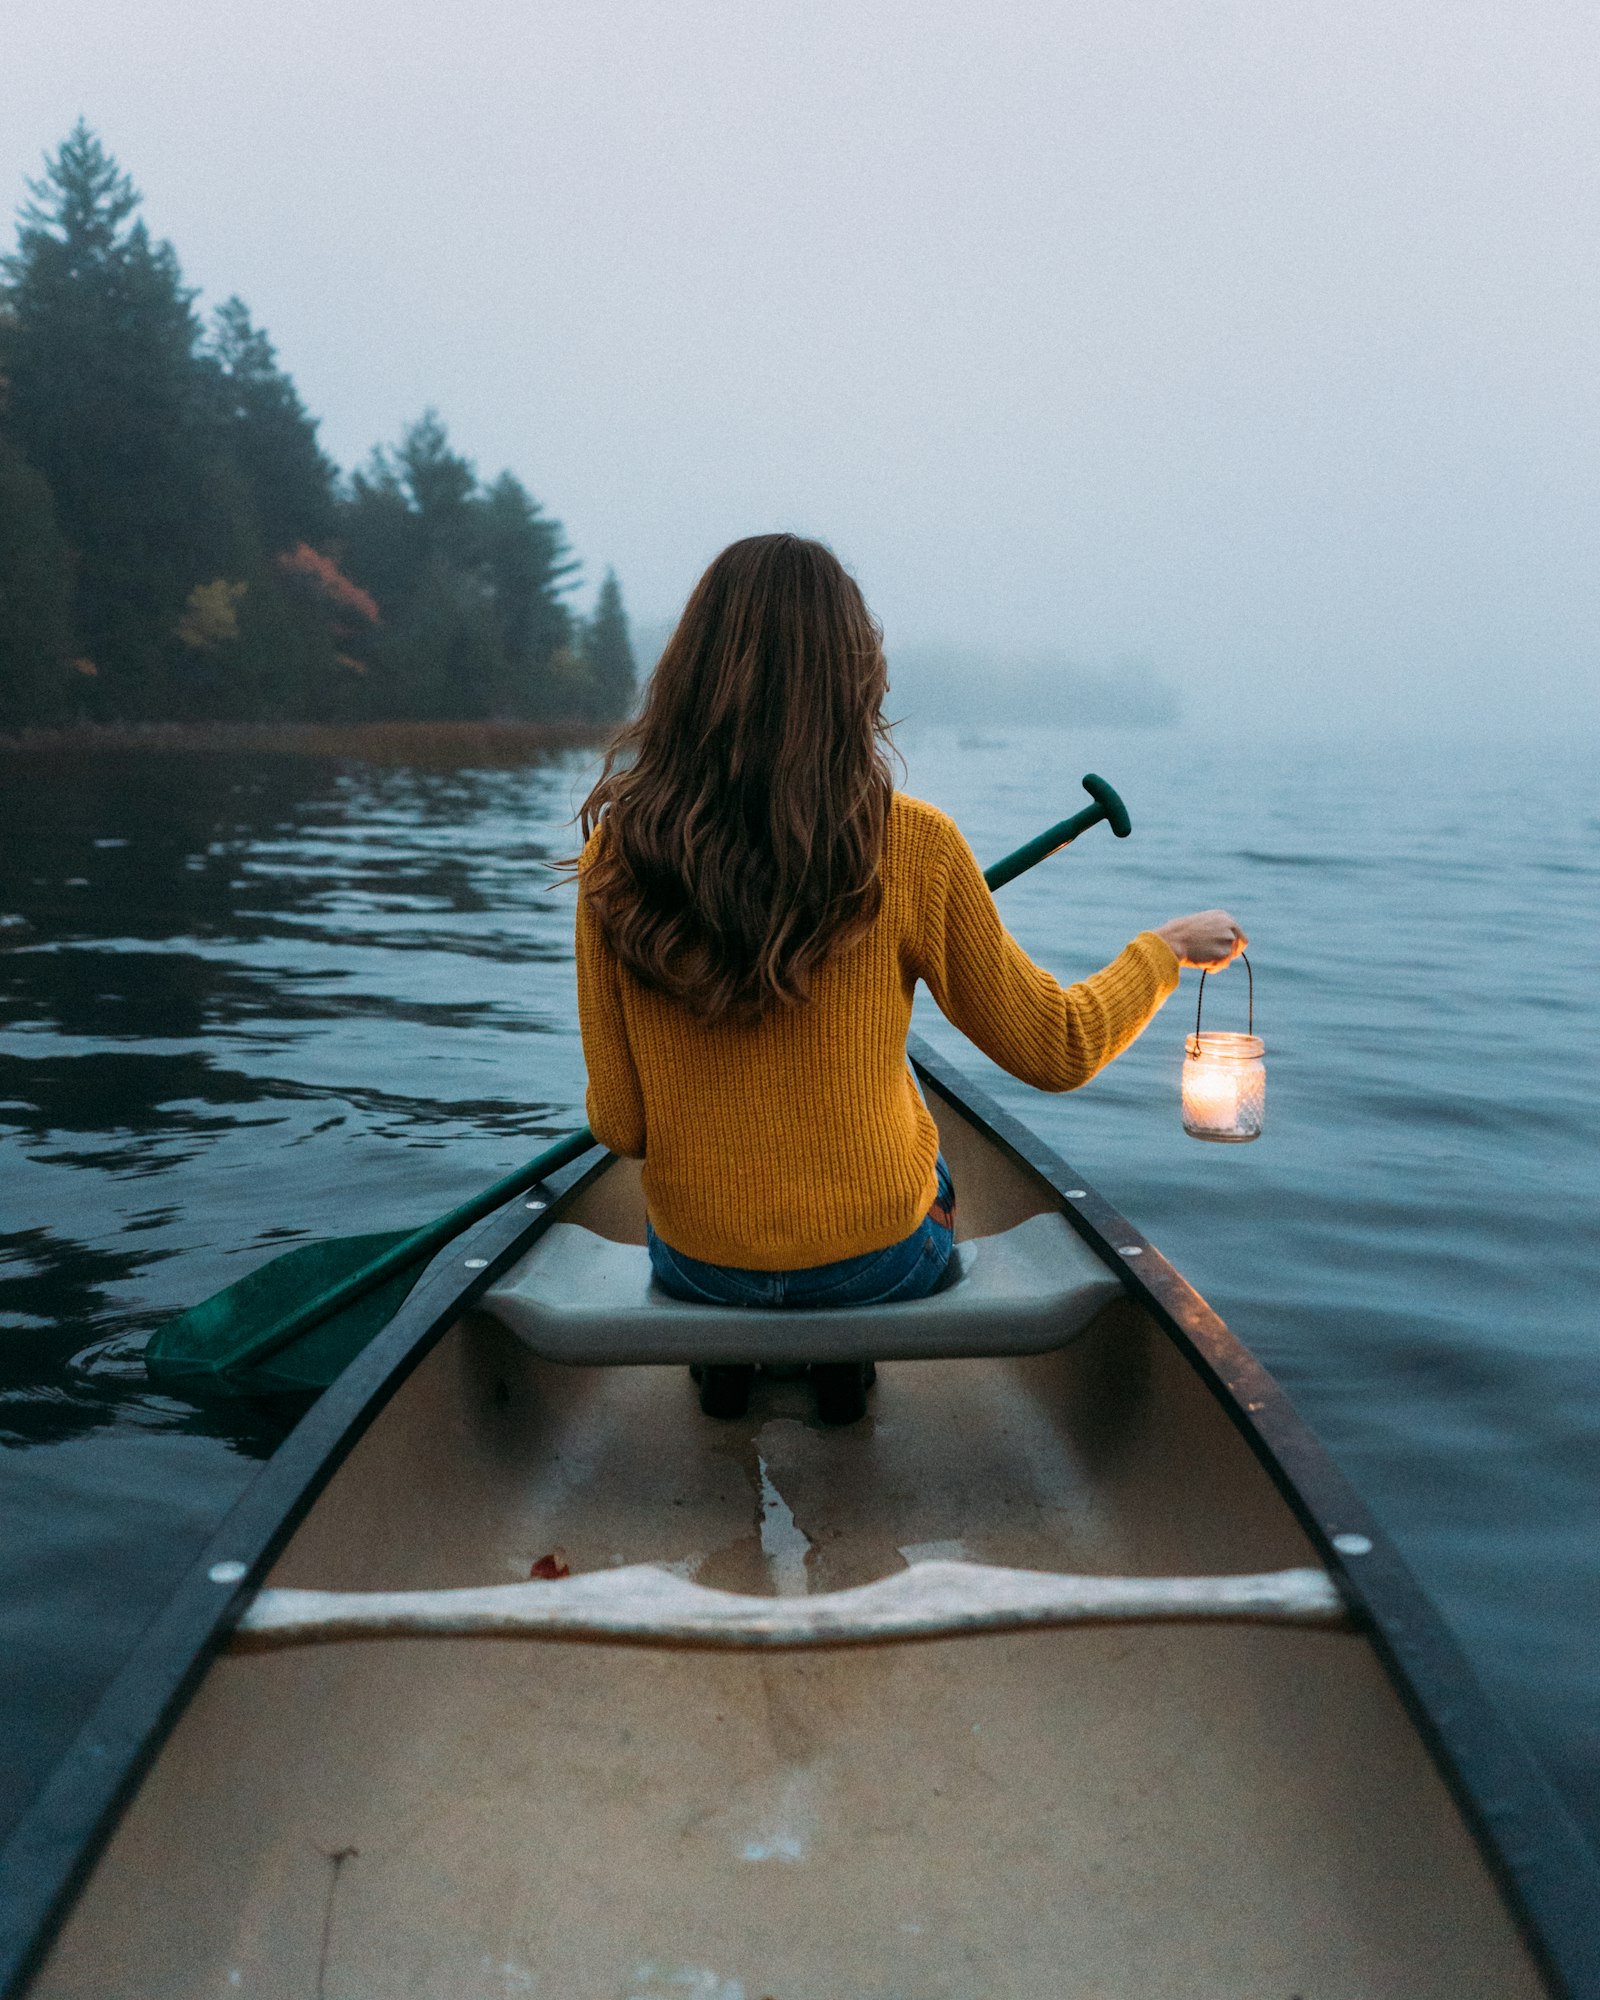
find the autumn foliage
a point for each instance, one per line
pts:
(323, 575)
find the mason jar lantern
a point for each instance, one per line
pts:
(1225, 1078)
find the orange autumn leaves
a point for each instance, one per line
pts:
(352, 606)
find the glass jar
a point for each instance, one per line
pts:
(1224, 1086)
(1225, 1077)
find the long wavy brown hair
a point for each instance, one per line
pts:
(743, 810)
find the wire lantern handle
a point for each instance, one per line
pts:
(1200, 997)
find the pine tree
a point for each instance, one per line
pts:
(267, 434)
(440, 484)
(35, 599)
(409, 510)
(107, 402)
(529, 567)
(608, 654)
(381, 535)
(470, 581)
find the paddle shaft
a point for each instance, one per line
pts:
(431, 1238)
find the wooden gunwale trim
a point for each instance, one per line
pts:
(1533, 1847)
(56, 1843)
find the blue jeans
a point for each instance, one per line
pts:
(909, 1269)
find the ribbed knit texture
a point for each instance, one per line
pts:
(804, 1139)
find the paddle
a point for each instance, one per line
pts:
(335, 1294)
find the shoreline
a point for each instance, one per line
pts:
(446, 745)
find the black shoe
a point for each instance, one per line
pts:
(725, 1388)
(841, 1388)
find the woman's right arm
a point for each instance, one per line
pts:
(1052, 1036)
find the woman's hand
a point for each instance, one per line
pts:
(1210, 939)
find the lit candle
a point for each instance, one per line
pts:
(1210, 1095)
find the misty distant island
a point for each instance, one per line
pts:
(973, 686)
(176, 550)
(977, 685)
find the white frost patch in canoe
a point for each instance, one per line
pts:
(953, 1551)
(783, 1830)
(783, 1543)
(681, 1982)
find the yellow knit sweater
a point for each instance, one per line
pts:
(804, 1139)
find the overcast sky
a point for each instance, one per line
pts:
(1257, 341)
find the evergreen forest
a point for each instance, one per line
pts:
(175, 546)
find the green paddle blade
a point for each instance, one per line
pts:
(227, 1342)
(308, 1365)
(295, 1322)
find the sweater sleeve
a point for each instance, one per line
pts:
(1050, 1036)
(614, 1101)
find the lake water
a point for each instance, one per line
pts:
(255, 1000)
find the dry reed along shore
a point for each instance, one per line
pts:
(441, 745)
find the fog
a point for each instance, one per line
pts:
(1243, 351)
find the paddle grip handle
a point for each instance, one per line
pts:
(1107, 806)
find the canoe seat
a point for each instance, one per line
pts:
(581, 1297)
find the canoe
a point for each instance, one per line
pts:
(1073, 1669)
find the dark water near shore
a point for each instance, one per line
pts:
(251, 1000)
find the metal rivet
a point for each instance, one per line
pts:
(227, 1572)
(1353, 1545)
(1131, 1250)
(1077, 1194)
(477, 1263)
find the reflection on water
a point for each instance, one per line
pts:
(247, 1001)
(215, 965)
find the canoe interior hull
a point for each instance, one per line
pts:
(1129, 1813)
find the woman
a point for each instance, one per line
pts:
(756, 905)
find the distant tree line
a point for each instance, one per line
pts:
(175, 545)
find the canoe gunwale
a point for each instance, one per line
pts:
(1546, 1869)
(1547, 1873)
